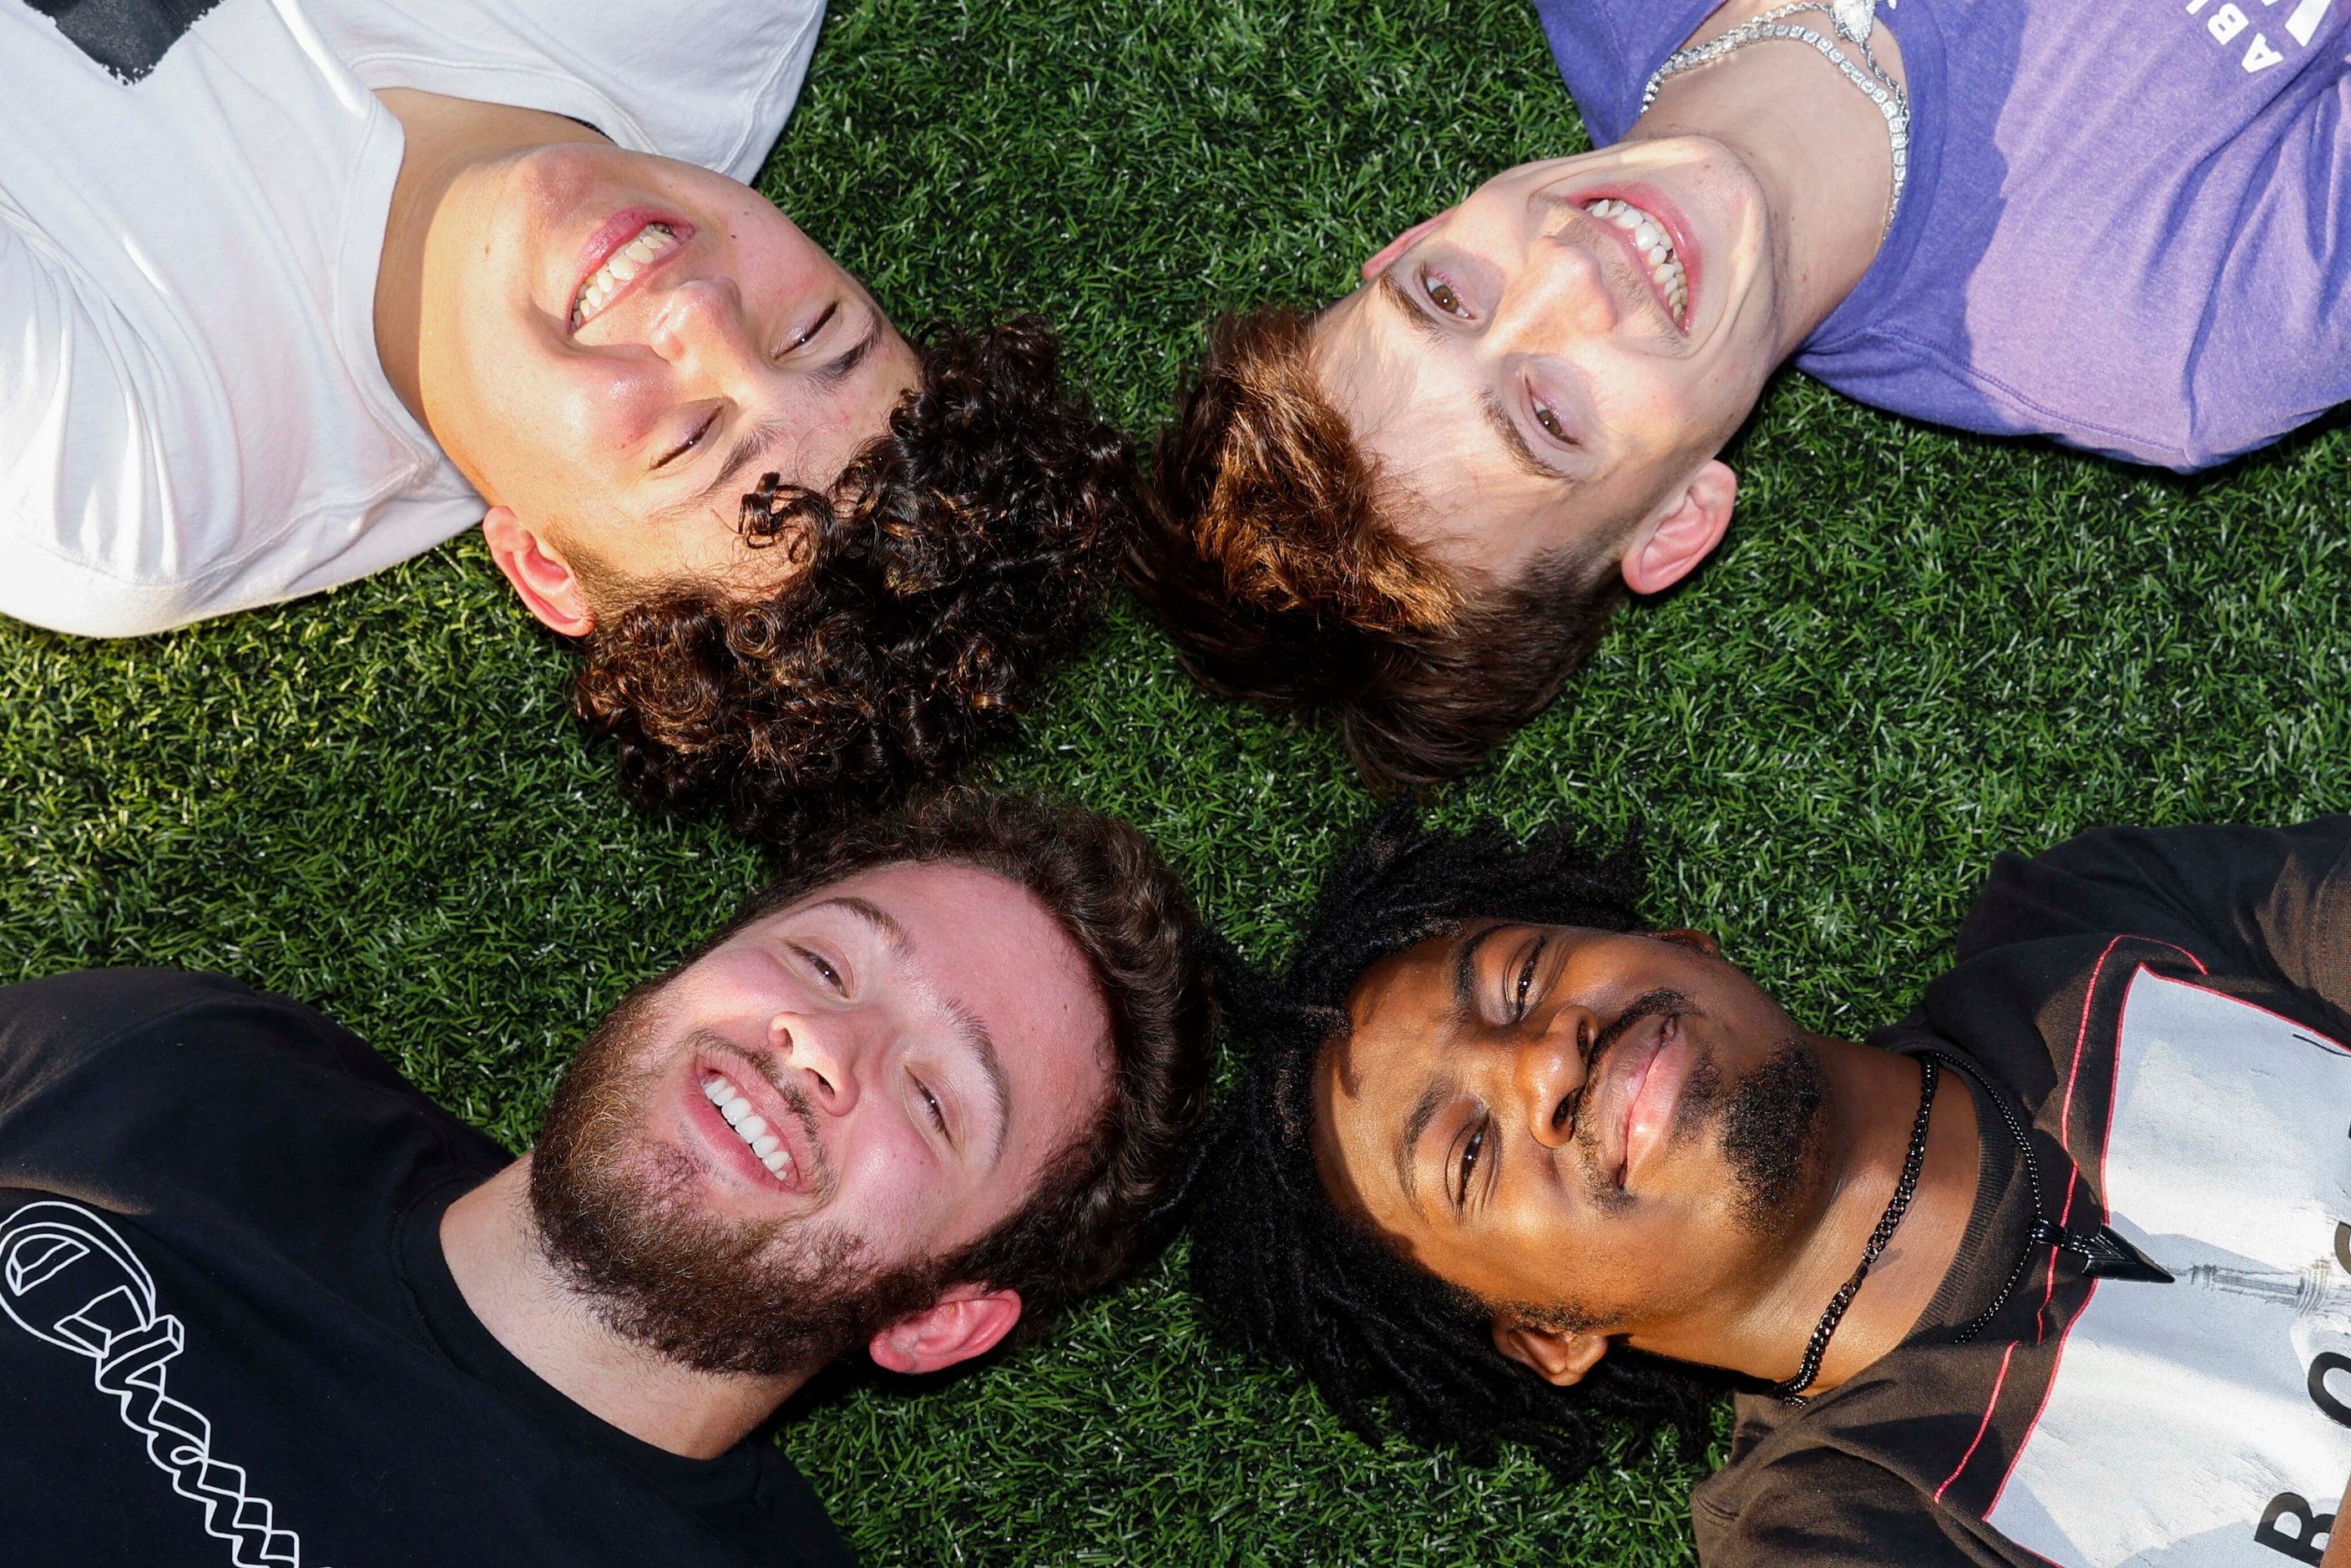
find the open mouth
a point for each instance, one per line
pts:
(1650, 239)
(641, 250)
(757, 1136)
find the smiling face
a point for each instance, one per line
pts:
(617, 346)
(1599, 1132)
(1550, 365)
(839, 1094)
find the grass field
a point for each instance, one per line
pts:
(1917, 650)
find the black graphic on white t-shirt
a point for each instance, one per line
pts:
(2204, 1424)
(67, 1278)
(129, 37)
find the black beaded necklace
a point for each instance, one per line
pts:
(1792, 1392)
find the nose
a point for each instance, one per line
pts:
(1565, 285)
(701, 326)
(1550, 1068)
(823, 1054)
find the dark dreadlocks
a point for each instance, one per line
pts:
(1285, 1274)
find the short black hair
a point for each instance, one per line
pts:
(1284, 1273)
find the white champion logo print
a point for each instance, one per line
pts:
(67, 1278)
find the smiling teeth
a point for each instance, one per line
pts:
(626, 263)
(749, 1126)
(1649, 237)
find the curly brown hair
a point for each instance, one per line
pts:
(1101, 1204)
(954, 558)
(1273, 559)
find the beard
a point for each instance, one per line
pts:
(1770, 1124)
(618, 1218)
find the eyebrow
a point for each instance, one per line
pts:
(1523, 456)
(982, 1045)
(760, 437)
(1432, 1100)
(882, 920)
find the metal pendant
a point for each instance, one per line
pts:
(2104, 1254)
(1853, 19)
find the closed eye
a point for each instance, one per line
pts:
(689, 444)
(814, 328)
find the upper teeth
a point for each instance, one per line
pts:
(1648, 237)
(626, 263)
(736, 1106)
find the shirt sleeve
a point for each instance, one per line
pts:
(2273, 902)
(85, 469)
(1824, 1508)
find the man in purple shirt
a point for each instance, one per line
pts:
(2115, 226)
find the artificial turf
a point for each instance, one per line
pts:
(1917, 650)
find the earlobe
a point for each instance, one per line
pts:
(969, 1320)
(544, 579)
(1669, 546)
(1401, 244)
(1561, 1357)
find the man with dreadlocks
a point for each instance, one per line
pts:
(1510, 1165)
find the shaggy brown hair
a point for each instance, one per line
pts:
(1273, 559)
(953, 560)
(1101, 1203)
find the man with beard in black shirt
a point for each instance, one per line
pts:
(267, 1305)
(2056, 1270)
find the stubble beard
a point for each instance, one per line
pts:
(1771, 1124)
(617, 1217)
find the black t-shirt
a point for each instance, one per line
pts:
(231, 1338)
(2164, 1009)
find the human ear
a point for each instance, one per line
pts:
(1559, 1356)
(1683, 532)
(1682, 936)
(1401, 244)
(547, 586)
(967, 1320)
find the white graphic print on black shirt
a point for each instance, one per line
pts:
(67, 1278)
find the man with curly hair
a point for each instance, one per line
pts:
(1415, 510)
(2055, 1269)
(262, 1302)
(295, 289)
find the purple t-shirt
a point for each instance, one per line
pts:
(2129, 225)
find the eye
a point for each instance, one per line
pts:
(1551, 423)
(1526, 983)
(803, 340)
(1470, 1151)
(930, 1103)
(1440, 294)
(690, 442)
(816, 961)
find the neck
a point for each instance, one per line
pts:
(1873, 1106)
(495, 1256)
(1816, 146)
(446, 143)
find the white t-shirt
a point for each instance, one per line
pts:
(193, 418)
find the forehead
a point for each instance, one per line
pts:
(982, 944)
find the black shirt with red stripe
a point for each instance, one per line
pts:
(2164, 1012)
